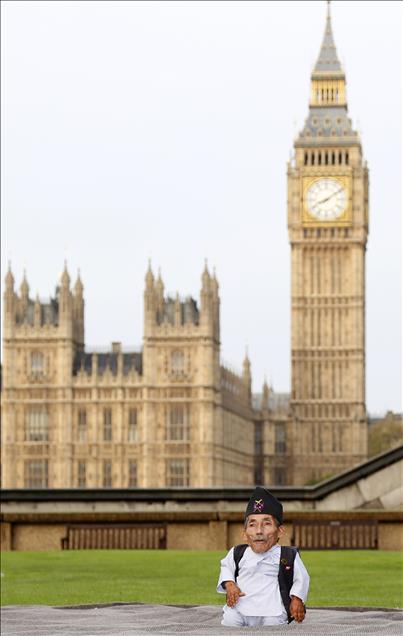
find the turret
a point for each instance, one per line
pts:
(149, 300)
(9, 299)
(178, 317)
(37, 312)
(24, 293)
(246, 374)
(216, 306)
(9, 281)
(78, 303)
(206, 298)
(159, 292)
(265, 396)
(66, 317)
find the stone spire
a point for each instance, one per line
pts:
(214, 284)
(65, 278)
(265, 395)
(149, 277)
(37, 311)
(247, 375)
(328, 63)
(328, 116)
(159, 286)
(24, 288)
(246, 365)
(206, 278)
(79, 287)
(9, 280)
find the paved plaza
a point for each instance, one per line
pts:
(127, 618)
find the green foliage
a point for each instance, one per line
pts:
(366, 578)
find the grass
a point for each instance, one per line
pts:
(347, 578)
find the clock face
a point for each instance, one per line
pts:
(326, 199)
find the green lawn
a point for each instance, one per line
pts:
(367, 578)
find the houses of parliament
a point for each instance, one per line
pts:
(171, 415)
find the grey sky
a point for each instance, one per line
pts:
(144, 129)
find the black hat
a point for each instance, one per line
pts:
(262, 502)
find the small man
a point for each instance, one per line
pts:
(265, 584)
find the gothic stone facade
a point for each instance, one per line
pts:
(173, 415)
(168, 416)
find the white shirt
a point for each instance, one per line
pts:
(258, 579)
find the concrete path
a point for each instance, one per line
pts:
(125, 619)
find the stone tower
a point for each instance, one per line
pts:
(328, 227)
(169, 415)
(181, 376)
(40, 343)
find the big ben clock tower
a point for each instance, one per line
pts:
(328, 227)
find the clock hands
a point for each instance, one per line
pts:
(329, 197)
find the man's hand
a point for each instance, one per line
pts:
(297, 609)
(233, 593)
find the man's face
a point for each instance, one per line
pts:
(261, 532)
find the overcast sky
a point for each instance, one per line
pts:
(137, 130)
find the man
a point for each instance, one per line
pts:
(264, 583)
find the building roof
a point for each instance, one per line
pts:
(277, 401)
(328, 62)
(109, 360)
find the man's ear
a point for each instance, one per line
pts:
(281, 530)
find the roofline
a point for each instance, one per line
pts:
(284, 493)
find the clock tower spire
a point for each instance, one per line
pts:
(328, 226)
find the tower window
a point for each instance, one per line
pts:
(107, 425)
(319, 158)
(37, 364)
(107, 473)
(177, 472)
(82, 425)
(36, 426)
(177, 424)
(312, 158)
(81, 474)
(279, 476)
(347, 158)
(333, 158)
(132, 473)
(36, 473)
(132, 428)
(326, 158)
(177, 362)
(305, 159)
(340, 158)
(279, 447)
